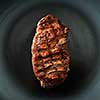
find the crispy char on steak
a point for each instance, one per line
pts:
(50, 53)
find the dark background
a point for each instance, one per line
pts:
(5, 4)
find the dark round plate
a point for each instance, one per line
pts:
(17, 27)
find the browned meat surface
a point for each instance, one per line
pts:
(50, 53)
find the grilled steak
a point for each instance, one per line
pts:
(50, 53)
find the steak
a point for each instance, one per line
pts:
(50, 52)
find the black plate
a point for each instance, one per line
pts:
(17, 28)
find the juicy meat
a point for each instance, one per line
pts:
(50, 53)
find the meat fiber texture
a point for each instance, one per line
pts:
(50, 52)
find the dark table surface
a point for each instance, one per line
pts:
(18, 20)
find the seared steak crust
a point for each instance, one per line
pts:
(50, 52)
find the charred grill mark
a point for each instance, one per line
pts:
(49, 50)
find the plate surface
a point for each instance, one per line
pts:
(17, 28)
